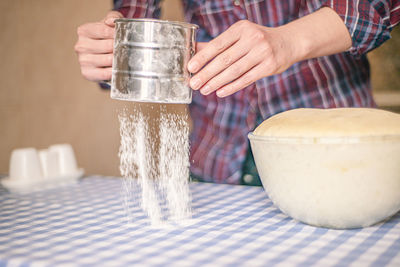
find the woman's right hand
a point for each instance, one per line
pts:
(95, 47)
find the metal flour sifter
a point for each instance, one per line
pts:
(150, 60)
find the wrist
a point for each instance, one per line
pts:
(298, 46)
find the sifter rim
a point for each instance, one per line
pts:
(177, 23)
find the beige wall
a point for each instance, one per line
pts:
(43, 98)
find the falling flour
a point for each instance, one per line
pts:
(154, 161)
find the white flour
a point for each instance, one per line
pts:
(154, 161)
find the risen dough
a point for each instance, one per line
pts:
(337, 122)
(337, 184)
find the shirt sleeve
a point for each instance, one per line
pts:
(369, 21)
(138, 8)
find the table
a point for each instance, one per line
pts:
(85, 224)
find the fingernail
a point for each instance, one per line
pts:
(195, 83)
(206, 90)
(110, 21)
(193, 66)
(221, 93)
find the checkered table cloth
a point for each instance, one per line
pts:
(86, 224)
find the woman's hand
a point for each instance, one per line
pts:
(247, 52)
(238, 57)
(95, 47)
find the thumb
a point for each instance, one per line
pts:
(111, 16)
(200, 46)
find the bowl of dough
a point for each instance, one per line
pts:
(335, 168)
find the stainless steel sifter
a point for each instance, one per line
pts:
(150, 60)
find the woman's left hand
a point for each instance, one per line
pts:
(238, 57)
(246, 51)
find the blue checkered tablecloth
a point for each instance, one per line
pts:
(86, 224)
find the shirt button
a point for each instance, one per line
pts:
(236, 2)
(248, 178)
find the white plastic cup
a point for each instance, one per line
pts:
(25, 165)
(49, 163)
(65, 158)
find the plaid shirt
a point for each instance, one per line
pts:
(219, 140)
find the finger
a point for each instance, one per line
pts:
(96, 60)
(254, 74)
(97, 74)
(233, 72)
(90, 46)
(96, 30)
(219, 63)
(111, 17)
(213, 48)
(200, 46)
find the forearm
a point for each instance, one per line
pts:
(319, 34)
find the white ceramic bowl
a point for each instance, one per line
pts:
(331, 182)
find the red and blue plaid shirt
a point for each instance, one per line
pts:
(219, 139)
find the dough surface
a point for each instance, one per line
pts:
(337, 122)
